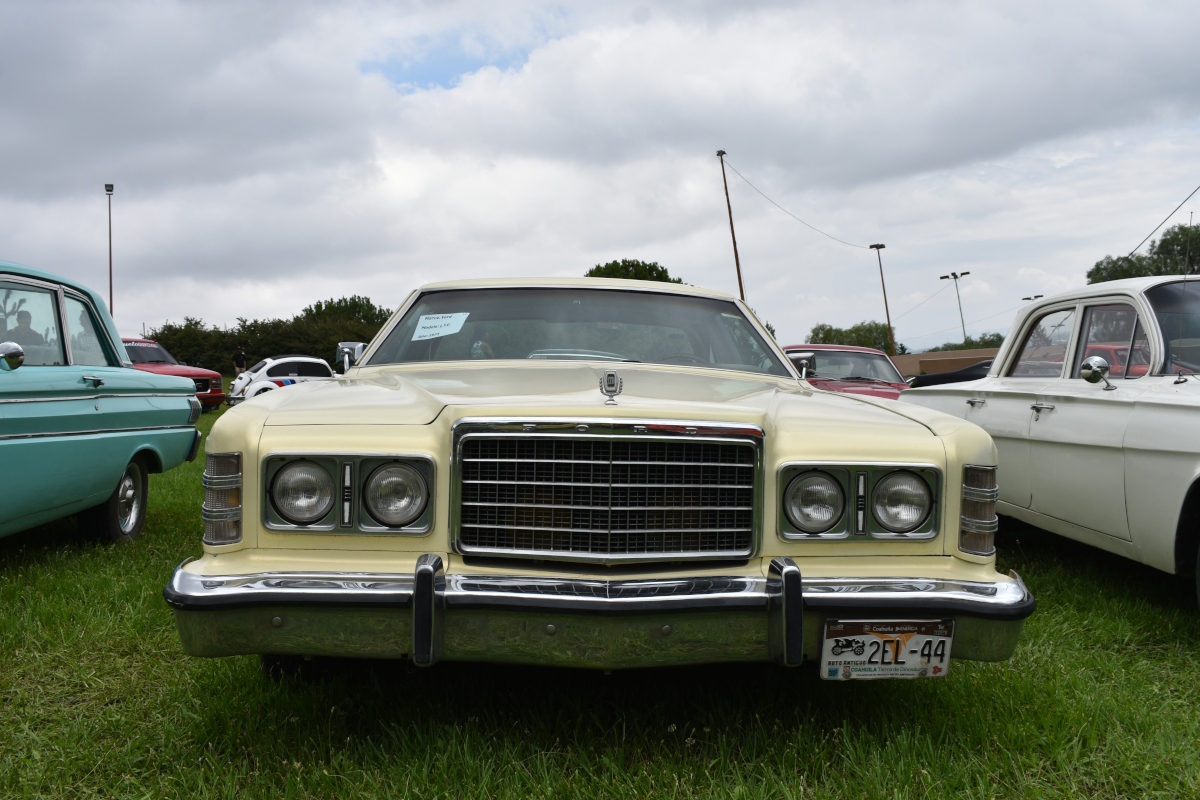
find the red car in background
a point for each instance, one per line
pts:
(844, 368)
(151, 356)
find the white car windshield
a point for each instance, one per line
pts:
(1177, 306)
(576, 324)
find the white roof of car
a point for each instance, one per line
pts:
(581, 283)
(1123, 286)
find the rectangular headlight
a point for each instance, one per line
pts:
(979, 521)
(222, 509)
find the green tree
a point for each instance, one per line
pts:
(1176, 253)
(315, 331)
(632, 269)
(979, 342)
(864, 334)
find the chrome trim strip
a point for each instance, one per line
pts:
(1000, 600)
(90, 397)
(980, 526)
(95, 432)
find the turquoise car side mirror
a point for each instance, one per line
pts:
(11, 355)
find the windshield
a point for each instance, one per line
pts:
(1177, 306)
(148, 353)
(848, 365)
(575, 324)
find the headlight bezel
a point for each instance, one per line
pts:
(349, 515)
(896, 475)
(372, 516)
(858, 482)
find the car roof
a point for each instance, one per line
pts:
(137, 339)
(578, 283)
(1111, 287)
(294, 357)
(788, 348)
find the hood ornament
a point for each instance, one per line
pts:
(611, 385)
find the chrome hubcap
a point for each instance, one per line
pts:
(129, 502)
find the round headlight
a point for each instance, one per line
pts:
(901, 502)
(814, 502)
(395, 495)
(302, 492)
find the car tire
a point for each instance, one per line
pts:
(121, 516)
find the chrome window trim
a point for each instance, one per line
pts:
(1034, 316)
(330, 524)
(59, 310)
(613, 428)
(843, 530)
(102, 329)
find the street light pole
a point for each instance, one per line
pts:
(954, 276)
(736, 262)
(108, 190)
(886, 312)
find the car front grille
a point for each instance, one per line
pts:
(202, 385)
(607, 497)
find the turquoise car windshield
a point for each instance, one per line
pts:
(577, 324)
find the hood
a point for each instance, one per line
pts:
(178, 369)
(889, 391)
(408, 396)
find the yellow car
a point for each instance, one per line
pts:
(594, 473)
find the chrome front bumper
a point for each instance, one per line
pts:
(429, 616)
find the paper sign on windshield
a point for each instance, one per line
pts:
(431, 326)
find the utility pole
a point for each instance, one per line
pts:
(886, 312)
(736, 262)
(1187, 259)
(954, 276)
(108, 190)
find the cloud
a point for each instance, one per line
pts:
(266, 156)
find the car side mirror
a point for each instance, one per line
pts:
(350, 353)
(1095, 369)
(11, 355)
(805, 363)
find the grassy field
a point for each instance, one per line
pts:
(96, 698)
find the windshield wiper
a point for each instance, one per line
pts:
(860, 378)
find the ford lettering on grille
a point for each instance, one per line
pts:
(606, 498)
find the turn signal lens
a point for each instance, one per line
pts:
(901, 502)
(222, 508)
(395, 495)
(302, 492)
(814, 502)
(979, 521)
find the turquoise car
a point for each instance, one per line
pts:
(80, 428)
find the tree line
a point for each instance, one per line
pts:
(1176, 253)
(315, 331)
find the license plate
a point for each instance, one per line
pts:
(859, 649)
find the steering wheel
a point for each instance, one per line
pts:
(694, 359)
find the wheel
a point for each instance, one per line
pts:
(120, 517)
(859, 649)
(837, 651)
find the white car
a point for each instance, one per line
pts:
(276, 373)
(1094, 405)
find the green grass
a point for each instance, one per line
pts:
(96, 698)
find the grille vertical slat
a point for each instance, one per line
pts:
(606, 497)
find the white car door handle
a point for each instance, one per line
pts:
(976, 401)
(1040, 407)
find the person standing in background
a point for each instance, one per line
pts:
(239, 361)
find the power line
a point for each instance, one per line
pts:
(973, 322)
(1164, 222)
(926, 300)
(793, 216)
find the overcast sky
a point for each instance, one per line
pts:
(267, 155)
